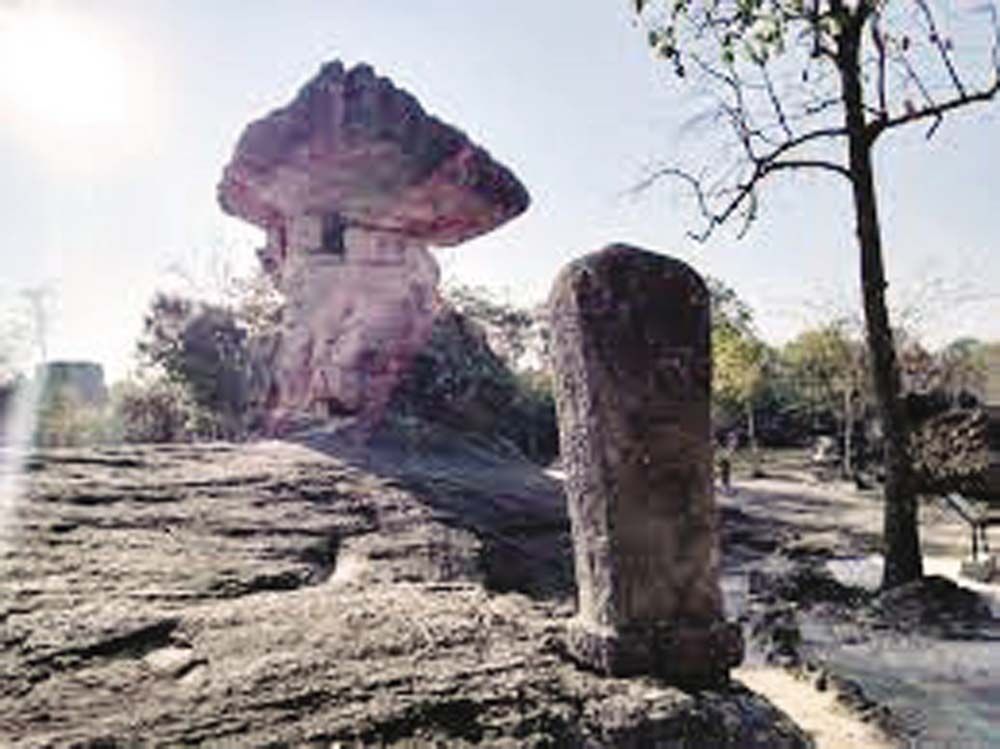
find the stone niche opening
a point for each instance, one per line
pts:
(332, 229)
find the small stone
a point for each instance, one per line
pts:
(171, 661)
(822, 681)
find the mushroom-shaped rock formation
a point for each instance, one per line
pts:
(351, 182)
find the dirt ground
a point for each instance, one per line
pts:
(920, 668)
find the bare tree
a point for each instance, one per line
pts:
(815, 85)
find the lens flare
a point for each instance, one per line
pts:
(16, 433)
(73, 89)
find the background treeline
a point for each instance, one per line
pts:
(202, 374)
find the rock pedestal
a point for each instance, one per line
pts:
(352, 324)
(630, 344)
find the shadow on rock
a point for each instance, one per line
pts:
(473, 483)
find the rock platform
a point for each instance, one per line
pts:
(273, 595)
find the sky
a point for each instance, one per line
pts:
(117, 118)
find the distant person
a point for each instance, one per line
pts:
(859, 457)
(726, 453)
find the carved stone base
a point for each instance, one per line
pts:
(687, 655)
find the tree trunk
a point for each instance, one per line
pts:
(901, 536)
(755, 471)
(848, 430)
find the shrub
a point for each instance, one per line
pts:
(459, 381)
(66, 420)
(203, 349)
(161, 410)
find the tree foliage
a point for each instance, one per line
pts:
(515, 333)
(729, 311)
(256, 304)
(959, 370)
(826, 363)
(471, 375)
(203, 348)
(739, 366)
(739, 356)
(159, 409)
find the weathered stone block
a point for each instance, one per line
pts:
(630, 337)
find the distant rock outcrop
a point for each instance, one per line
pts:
(958, 450)
(352, 182)
(80, 380)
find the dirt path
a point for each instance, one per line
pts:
(940, 678)
(831, 725)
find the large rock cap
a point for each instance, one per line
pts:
(353, 144)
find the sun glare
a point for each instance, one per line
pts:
(70, 86)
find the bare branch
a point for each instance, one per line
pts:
(829, 166)
(743, 194)
(772, 95)
(878, 39)
(942, 46)
(912, 75)
(801, 140)
(933, 111)
(780, 123)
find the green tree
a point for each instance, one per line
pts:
(740, 360)
(816, 85)
(729, 310)
(828, 370)
(256, 303)
(202, 347)
(471, 374)
(963, 367)
(511, 329)
(159, 409)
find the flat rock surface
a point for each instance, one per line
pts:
(271, 595)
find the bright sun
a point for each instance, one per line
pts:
(70, 86)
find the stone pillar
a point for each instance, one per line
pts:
(630, 342)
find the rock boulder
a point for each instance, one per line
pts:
(352, 182)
